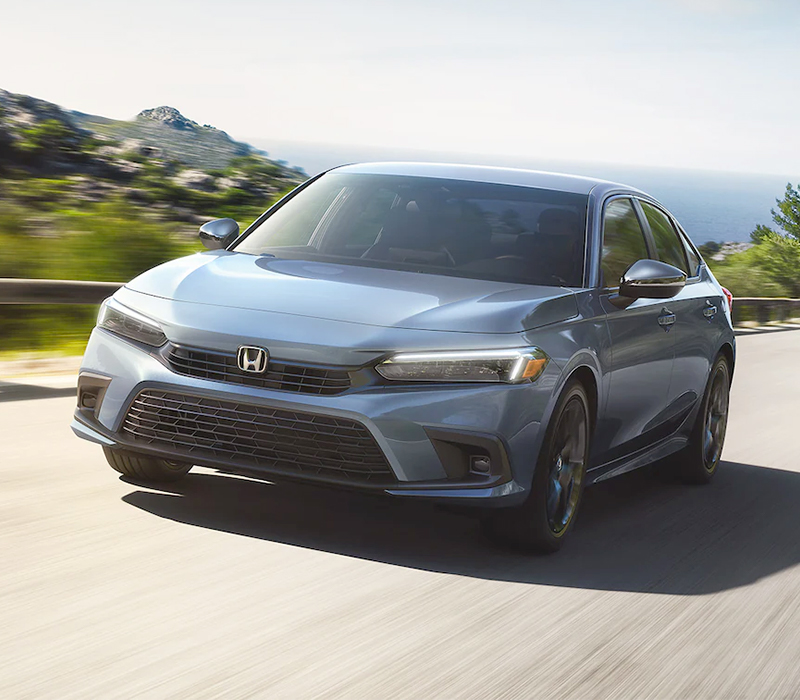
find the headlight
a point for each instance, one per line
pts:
(128, 323)
(510, 366)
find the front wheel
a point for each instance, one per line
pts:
(144, 467)
(544, 520)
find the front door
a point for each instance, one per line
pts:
(642, 345)
(696, 307)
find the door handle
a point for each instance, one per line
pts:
(710, 311)
(666, 319)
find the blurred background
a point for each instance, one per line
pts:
(122, 131)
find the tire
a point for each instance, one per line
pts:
(545, 519)
(697, 463)
(145, 468)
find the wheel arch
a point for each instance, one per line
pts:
(585, 375)
(728, 353)
(584, 367)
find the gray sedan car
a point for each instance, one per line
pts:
(490, 338)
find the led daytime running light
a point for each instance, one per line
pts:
(509, 366)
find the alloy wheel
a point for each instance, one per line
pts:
(716, 421)
(567, 466)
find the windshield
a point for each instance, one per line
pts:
(431, 225)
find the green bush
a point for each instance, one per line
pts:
(48, 136)
(20, 253)
(113, 242)
(742, 274)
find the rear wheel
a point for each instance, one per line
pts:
(543, 521)
(144, 467)
(698, 461)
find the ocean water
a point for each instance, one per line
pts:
(711, 205)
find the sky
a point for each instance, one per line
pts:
(709, 84)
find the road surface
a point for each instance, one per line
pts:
(226, 587)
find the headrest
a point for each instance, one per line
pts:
(559, 222)
(406, 227)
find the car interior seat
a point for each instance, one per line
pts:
(409, 235)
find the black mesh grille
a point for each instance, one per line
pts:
(222, 367)
(291, 441)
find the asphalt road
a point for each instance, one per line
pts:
(225, 587)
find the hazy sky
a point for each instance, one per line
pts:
(687, 83)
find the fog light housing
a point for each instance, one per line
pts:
(88, 400)
(480, 464)
(91, 390)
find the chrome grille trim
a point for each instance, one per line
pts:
(282, 376)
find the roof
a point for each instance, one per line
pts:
(480, 173)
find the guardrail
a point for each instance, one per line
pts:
(26, 291)
(764, 309)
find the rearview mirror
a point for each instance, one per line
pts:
(651, 279)
(219, 233)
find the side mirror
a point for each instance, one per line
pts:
(219, 233)
(651, 279)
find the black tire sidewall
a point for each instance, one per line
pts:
(720, 365)
(537, 501)
(691, 461)
(526, 527)
(144, 467)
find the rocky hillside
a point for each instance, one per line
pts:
(176, 137)
(162, 162)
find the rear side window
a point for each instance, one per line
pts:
(669, 247)
(694, 261)
(691, 256)
(623, 241)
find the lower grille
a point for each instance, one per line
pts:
(222, 367)
(248, 434)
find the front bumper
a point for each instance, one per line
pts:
(414, 426)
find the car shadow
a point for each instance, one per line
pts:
(635, 533)
(12, 391)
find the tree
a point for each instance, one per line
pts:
(779, 257)
(777, 253)
(786, 218)
(788, 214)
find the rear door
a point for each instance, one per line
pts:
(642, 344)
(697, 307)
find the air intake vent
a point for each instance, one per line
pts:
(293, 442)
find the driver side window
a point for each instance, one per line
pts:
(623, 241)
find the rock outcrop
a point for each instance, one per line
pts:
(168, 116)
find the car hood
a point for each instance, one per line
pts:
(356, 294)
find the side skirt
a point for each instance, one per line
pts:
(671, 443)
(642, 458)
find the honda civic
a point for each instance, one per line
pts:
(490, 338)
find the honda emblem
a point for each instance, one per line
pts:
(252, 359)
